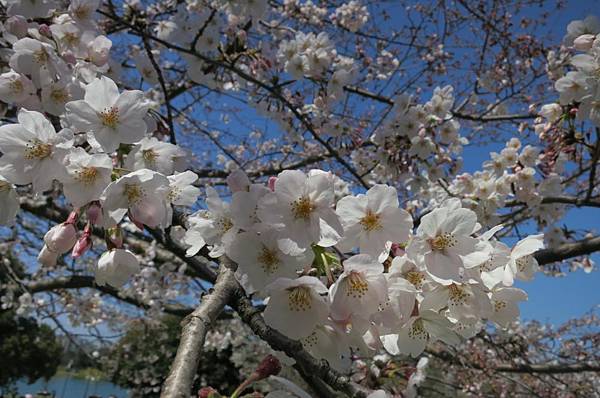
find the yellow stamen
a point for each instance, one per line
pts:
(110, 117)
(357, 285)
(302, 208)
(87, 175)
(135, 193)
(37, 149)
(299, 298)
(268, 260)
(371, 221)
(443, 241)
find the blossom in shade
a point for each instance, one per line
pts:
(115, 267)
(296, 306)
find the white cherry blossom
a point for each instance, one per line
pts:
(87, 176)
(108, 117)
(304, 204)
(32, 151)
(296, 306)
(373, 221)
(115, 267)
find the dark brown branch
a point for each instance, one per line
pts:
(568, 250)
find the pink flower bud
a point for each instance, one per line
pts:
(208, 392)
(73, 216)
(573, 112)
(272, 181)
(94, 213)
(84, 243)
(45, 30)
(269, 366)
(17, 25)
(584, 42)
(397, 250)
(61, 238)
(47, 257)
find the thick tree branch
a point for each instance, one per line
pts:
(568, 250)
(195, 326)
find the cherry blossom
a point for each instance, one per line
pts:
(32, 151)
(373, 221)
(304, 204)
(87, 176)
(296, 306)
(142, 194)
(115, 267)
(108, 117)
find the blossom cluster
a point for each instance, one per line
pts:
(105, 155)
(350, 275)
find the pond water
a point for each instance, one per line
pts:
(69, 387)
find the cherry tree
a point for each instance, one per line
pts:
(300, 163)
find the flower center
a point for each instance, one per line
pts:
(16, 86)
(224, 224)
(499, 305)
(417, 331)
(357, 285)
(59, 95)
(82, 12)
(71, 38)
(299, 298)
(458, 295)
(37, 149)
(268, 260)
(134, 193)
(416, 278)
(150, 156)
(443, 241)
(371, 221)
(110, 116)
(523, 263)
(87, 175)
(40, 56)
(4, 186)
(302, 208)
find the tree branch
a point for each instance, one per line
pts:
(195, 326)
(568, 250)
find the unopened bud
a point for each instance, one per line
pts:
(61, 237)
(84, 243)
(584, 42)
(47, 257)
(208, 392)
(272, 181)
(45, 30)
(269, 366)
